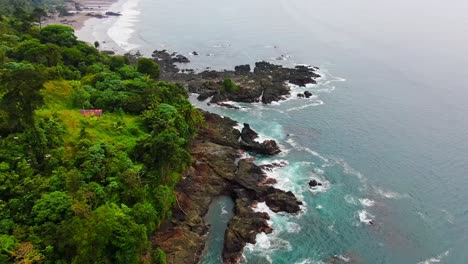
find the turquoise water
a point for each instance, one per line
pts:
(220, 211)
(388, 125)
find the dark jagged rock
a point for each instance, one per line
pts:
(242, 69)
(228, 105)
(280, 201)
(300, 95)
(205, 95)
(314, 183)
(99, 16)
(269, 181)
(307, 94)
(167, 62)
(216, 171)
(267, 83)
(270, 167)
(180, 59)
(109, 13)
(302, 75)
(243, 228)
(247, 134)
(274, 91)
(267, 147)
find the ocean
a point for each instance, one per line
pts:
(386, 130)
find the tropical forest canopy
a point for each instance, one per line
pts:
(81, 188)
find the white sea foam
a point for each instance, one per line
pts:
(305, 261)
(388, 194)
(320, 189)
(365, 217)
(319, 207)
(343, 258)
(316, 102)
(266, 244)
(122, 30)
(332, 228)
(223, 210)
(293, 227)
(232, 103)
(319, 171)
(367, 202)
(436, 259)
(350, 199)
(294, 144)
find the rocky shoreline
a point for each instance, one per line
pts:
(265, 83)
(218, 165)
(219, 169)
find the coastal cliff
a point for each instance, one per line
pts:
(219, 166)
(219, 169)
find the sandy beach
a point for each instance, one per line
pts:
(80, 11)
(92, 23)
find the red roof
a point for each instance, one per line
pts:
(95, 112)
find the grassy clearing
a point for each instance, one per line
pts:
(117, 129)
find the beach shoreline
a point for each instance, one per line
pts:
(91, 21)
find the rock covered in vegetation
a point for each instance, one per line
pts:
(267, 83)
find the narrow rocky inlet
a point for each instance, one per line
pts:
(219, 213)
(218, 169)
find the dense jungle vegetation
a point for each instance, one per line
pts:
(76, 188)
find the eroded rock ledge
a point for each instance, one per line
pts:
(218, 169)
(266, 83)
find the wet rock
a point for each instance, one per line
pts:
(267, 83)
(302, 75)
(269, 181)
(216, 171)
(247, 134)
(280, 201)
(307, 94)
(180, 59)
(267, 147)
(205, 95)
(272, 166)
(194, 53)
(314, 183)
(243, 227)
(230, 106)
(110, 13)
(242, 69)
(300, 95)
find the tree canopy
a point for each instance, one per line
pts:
(84, 189)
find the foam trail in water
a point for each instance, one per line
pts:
(315, 103)
(350, 199)
(388, 194)
(293, 227)
(366, 202)
(436, 259)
